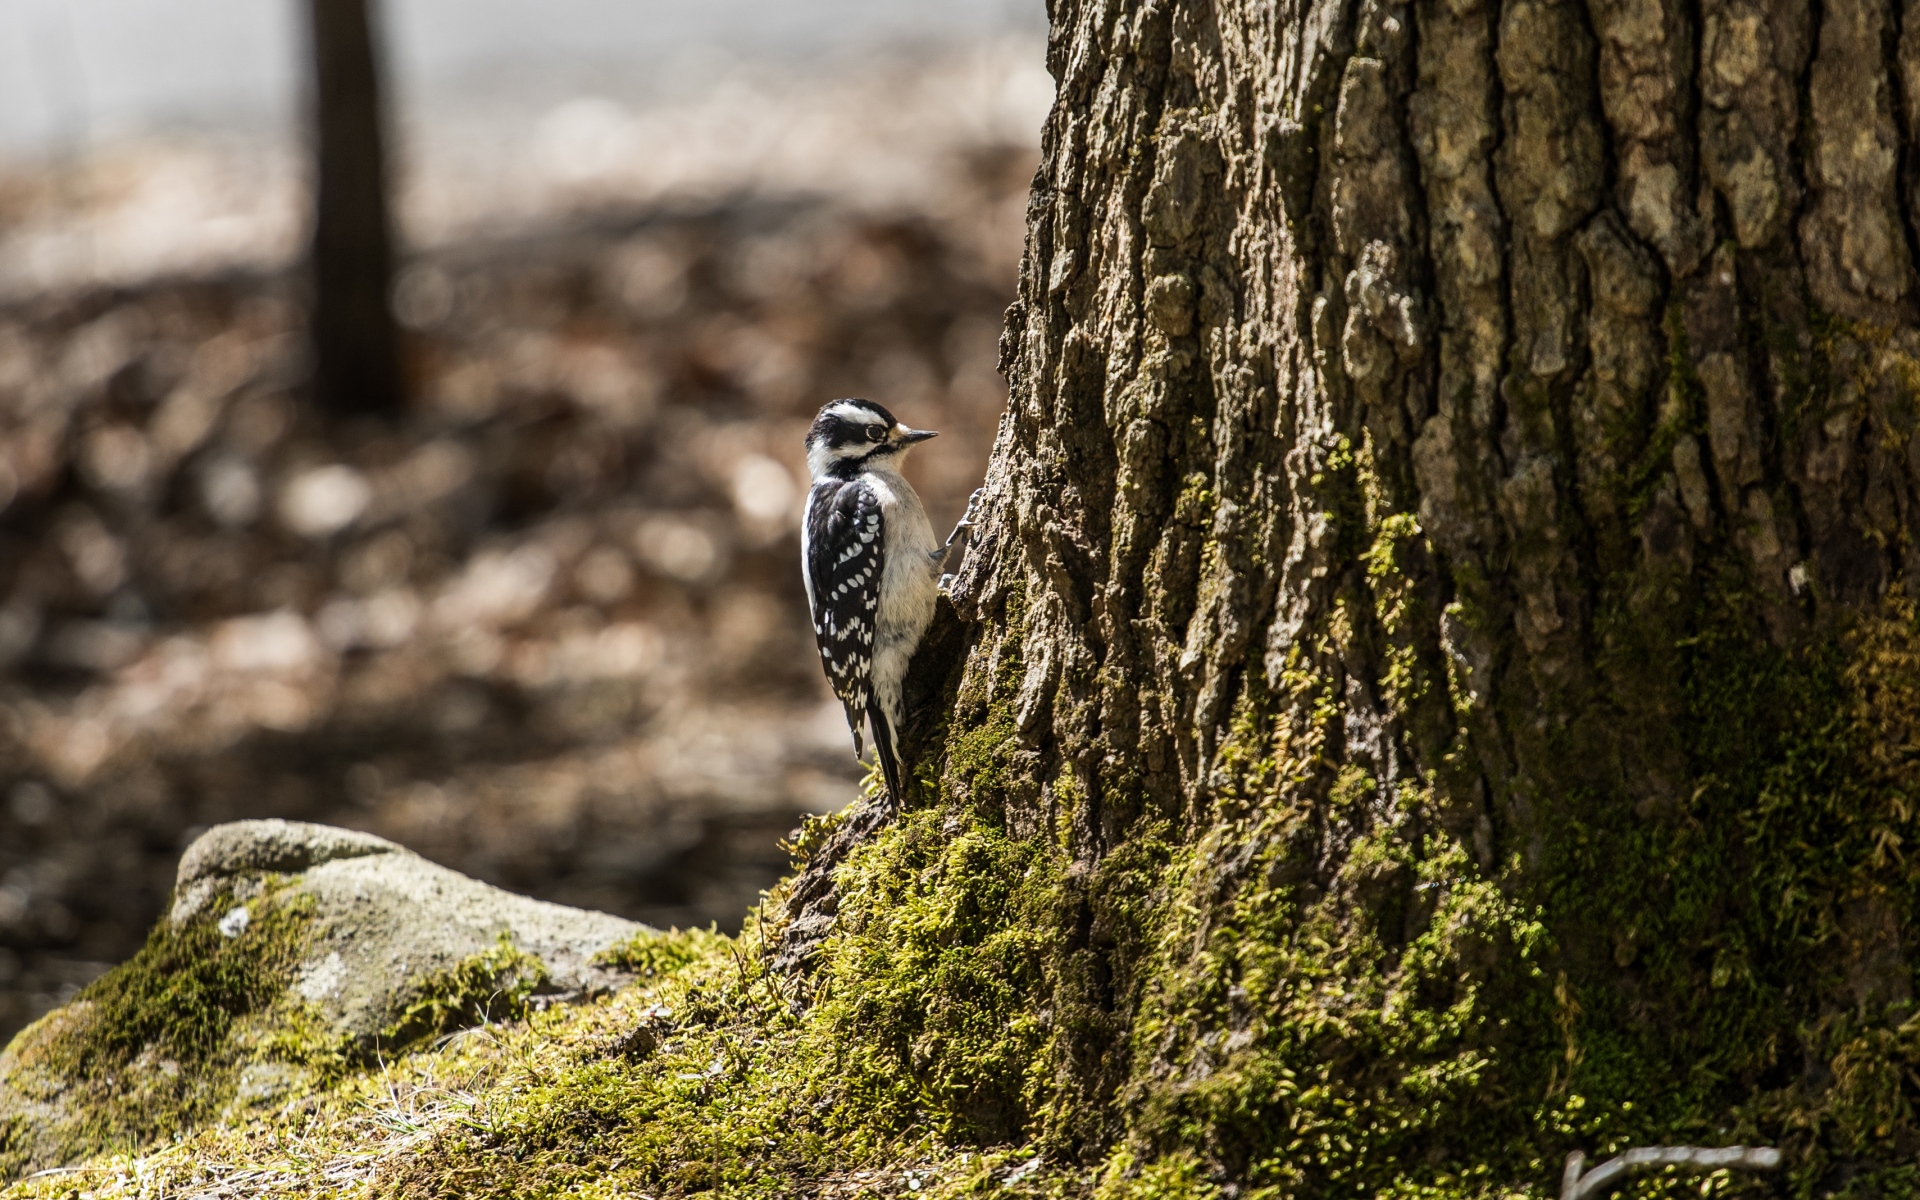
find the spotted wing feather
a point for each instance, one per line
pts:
(845, 536)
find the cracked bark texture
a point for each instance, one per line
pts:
(1401, 393)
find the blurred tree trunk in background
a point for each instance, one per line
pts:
(355, 339)
(1445, 623)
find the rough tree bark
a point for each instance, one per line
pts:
(1444, 612)
(355, 339)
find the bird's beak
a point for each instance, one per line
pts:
(907, 437)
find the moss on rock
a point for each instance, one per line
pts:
(496, 985)
(159, 1043)
(294, 959)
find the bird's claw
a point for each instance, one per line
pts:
(967, 518)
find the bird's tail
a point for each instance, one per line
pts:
(890, 765)
(859, 735)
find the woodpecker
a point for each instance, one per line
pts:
(871, 564)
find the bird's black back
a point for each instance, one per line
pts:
(845, 537)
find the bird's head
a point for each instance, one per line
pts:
(850, 436)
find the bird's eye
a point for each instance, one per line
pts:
(875, 433)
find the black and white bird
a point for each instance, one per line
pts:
(872, 567)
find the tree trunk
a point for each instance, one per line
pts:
(355, 340)
(1441, 655)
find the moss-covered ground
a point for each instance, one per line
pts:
(1401, 1027)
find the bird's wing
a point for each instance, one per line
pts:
(843, 542)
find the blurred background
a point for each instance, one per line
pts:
(504, 569)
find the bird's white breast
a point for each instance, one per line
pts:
(910, 584)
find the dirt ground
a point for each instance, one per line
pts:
(547, 629)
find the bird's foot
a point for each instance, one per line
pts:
(967, 521)
(970, 516)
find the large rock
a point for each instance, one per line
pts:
(290, 950)
(384, 919)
